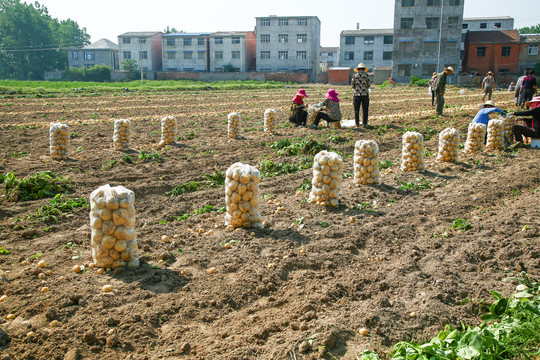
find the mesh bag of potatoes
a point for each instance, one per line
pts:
(366, 160)
(412, 156)
(475, 138)
(112, 220)
(168, 130)
(327, 177)
(509, 122)
(312, 112)
(233, 125)
(242, 196)
(59, 140)
(448, 145)
(270, 121)
(122, 134)
(495, 135)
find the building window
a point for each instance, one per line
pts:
(453, 22)
(171, 41)
(431, 47)
(283, 38)
(265, 55)
(126, 40)
(481, 51)
(533, 49)
(265, 22)
(404, 70)
(283, 22)
(301, 38)
(171, 55)
(265, 38)
(368, 55)
(428, 69)
(369, 40)
(455, 2)
(200, 41)
(451, 46)
(330, 54)
(349, 40)
(301, 22)
(506, 51)
(504, 70)
(126, 55)
(464, 26)
(432, 23)
(388, 39)
(218, 55)
(201, 55)
(142, 40)
(349, 55)
(188, 55)
(387, 55)
(498, 25)
(463, 37)
(433, 2)
(235, 40)
(218, 40)
(283, 55)
(187, 41)
(143, 54)
(406, 23)
(75, 55)
(406, 48)
(301, 55)
(407, 3)
(235, 54)
(483, 25)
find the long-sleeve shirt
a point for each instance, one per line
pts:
(332, 108)
(431, 82)
(440, 83)
(361, 84)
(482, 116)
(295, 106)
(535, 113)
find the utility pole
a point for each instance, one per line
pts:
(140, 59)
(440, 36)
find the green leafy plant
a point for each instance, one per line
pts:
(57, 206)
(418, 184)
(41, 185)
(127, 159)
(181, 189)
(385, 164)
(216, 179)
(19, 154)
(270, 168)
(306, 185)
(3, 250)
(143, 155)
(461, 225)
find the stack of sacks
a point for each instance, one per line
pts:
(59, 141)
(270, 121)
(495, 135)
(168, 130)
(242, 196)
(509, 122)
(475, 138)
(112, 220)
(327, 177)
(448, 145)
(412, 158)
(122, 135)
(234, 125)
(366, 160)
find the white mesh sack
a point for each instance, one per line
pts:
(242, 196)
(366, 162)
(59, 140)
(327, 178)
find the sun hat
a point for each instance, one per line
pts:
(490, 73)
(449, 68)
(361, 66)
(435, 74)
(534, 103)
(332, 95)
(301, 92)
(489, 102)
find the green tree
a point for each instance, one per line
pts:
(128, 65)
(535, 29)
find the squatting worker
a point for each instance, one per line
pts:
(440, 86)
(360, 83)
(331, 104)
(298, 114)
(482, 116)
(532, 131)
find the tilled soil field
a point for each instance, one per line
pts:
(433, 243)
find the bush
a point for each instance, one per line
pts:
(97, 73)
(418, 81)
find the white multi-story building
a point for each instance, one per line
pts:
(373, 47)
(232, 51)
(143, 47)
(329, 57)
(185, 52)
(288, 44)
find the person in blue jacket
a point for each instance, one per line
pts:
(482, 116)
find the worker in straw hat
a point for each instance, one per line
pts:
(488, 84)
(532, 129)
(361, 84)
(482, 116)
(440, 86)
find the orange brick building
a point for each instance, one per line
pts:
(496, 51)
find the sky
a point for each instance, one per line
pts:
(110, 18)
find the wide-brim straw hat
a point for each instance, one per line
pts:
(449, 68)
(332, 95)
(361, 66)
(489, 102)
(490, 73)
(435, 74)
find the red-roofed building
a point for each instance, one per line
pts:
(496, 51)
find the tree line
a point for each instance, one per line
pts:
(32, 42)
